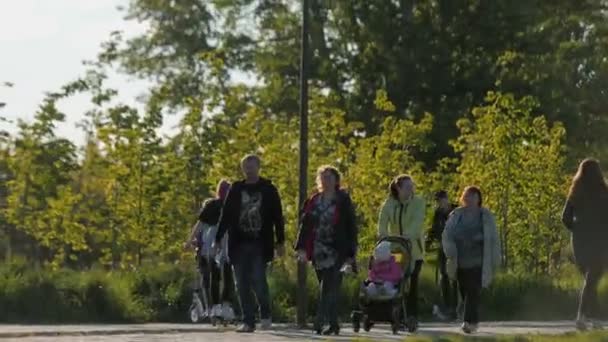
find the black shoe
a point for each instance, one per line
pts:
(332, 331)
(317, 329)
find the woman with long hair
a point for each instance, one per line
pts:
(472, 248)
(402, 214)
(213, 271)
(586, 216)
(328, 238)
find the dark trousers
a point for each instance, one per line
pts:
(211, 278)
(449, 289)
(412, 296)
(330, 280)
(250, 274)
(469, 282)
(588, 303)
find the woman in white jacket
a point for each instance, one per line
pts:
(472, 247)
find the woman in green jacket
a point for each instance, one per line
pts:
(402, 214)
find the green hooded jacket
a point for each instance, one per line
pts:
(404, 219)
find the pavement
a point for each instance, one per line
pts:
(161, 332)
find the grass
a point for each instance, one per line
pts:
(573, 337)
(163, 292)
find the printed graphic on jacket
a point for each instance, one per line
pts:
(250, 220)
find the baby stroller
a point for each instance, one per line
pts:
(385, 307)
(201, 309)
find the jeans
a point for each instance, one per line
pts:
(250, 273)
(469, 281)
(412, 296)
(330, 280)
(588, 303)
(212, 276)
(449, 289)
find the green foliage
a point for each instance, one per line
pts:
(517, 159)
(163, 293)
(127, 198)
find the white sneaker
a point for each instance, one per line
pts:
(468, 328)
(266, 324)
(205, 313)
(227, 312)
(216, 311)
(245, 329)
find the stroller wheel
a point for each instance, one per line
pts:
(412, 325)
(396, 321)
(356, 319)
(367, 324)
(193, 313)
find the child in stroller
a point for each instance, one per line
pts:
(381, 297)
(385, 272)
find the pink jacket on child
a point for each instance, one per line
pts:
(383, 271)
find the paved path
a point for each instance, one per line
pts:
(207, 333)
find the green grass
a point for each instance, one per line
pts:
(163, 292)
(573, 337)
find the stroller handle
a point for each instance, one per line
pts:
(397, 239)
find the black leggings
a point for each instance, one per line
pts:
(588, 303)
(211, 276)
(469, 282)
(449, 288)
(412, 296)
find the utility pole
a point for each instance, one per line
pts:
(301, 292)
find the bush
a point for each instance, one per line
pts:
(163, 294)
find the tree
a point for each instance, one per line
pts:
(377, 159)
(517, 158)
(41, 164)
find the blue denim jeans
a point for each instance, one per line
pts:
(250, 275)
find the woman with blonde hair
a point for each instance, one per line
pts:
(586, 216)
(472, 248)
(328, 238)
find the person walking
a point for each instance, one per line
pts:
(213, 273)
(449, 289)
(328, 238)
(253, 217)
(585, 215)
(402, 214)
(472, 248)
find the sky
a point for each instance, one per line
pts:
(42, 46)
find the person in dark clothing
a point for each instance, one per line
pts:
(253, 217)
(328, 238)
(213, 273)
(585, 215)
(449, 289)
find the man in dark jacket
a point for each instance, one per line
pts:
(253, 217)
(449, 290)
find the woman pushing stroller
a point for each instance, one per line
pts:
(403, 215)
(215, 270)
